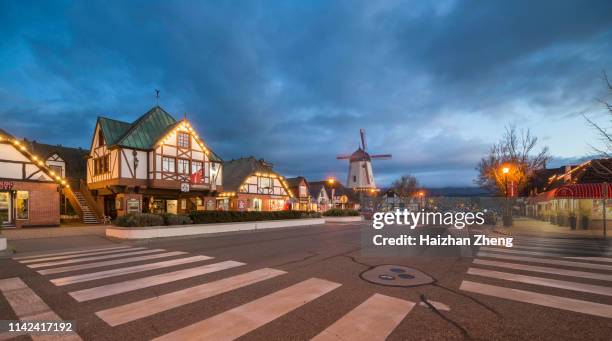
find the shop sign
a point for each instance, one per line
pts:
(185, 187)
(344, 199)
(241, 205)
(133, 205)
(7, 185)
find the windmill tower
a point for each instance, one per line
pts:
(360, 176)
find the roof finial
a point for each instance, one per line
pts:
(156, 97)
(185, 116)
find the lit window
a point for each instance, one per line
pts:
(168, 165)
(183, 166)
(183, 140)
(56, 169)
(22, 205)
(196, 166)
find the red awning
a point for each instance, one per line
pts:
(574, 191)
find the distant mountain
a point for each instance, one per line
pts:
(458, 192)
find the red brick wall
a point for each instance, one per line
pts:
(44, 204)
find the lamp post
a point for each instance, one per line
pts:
(421, 196)
(332, 181)
(508, 213)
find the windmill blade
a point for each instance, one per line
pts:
(363, 142)
(381, 156)
(343, 157)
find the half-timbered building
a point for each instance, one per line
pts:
(251, 185)
(154, 164)
(303, 200)
(29, 188)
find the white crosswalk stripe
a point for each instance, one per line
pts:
(554, 255)
(103, 252)
(373, 319)
(236, 322)
(75, 252)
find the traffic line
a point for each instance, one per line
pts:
(86, 259)
(243, 319)
(28, 306)
(71, 252)
(553, 249)
(542, 269)
(373, 319)
(547, 282)
(522, 252)
(127, 270)
(30, 261)
(145, 282)
(108, 262)
(547, 261)
(570, 304)
(594, 259)
(137, 310)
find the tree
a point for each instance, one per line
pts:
(515, 150)
(405, 187)
(604, 134)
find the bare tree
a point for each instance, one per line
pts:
(605, 135)
(406, 186)
(515, 150)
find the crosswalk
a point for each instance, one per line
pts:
(584, 266)
(106, 272)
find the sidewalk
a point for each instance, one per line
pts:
(523, 226)
(53, 232)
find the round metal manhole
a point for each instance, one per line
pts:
(396, 275)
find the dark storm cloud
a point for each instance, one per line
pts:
(293, 81)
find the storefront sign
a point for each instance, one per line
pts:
(133, 205)
(6, 185)
(241, 205)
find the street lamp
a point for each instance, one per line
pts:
(421, 195)
(508, 213)
(332, 181)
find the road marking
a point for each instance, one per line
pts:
(521, 252)
(547, 261)
(108, 262)
(243, 319)
(127, 270)
(553, 249)
(71, 252)
(547, 282)
(555, 271)
(29, 261)
(585, 307)
(373, 319)
(594, 259)
(137, 310)
(28, 306)
(437, 305)
(86, 259)
(145, 282)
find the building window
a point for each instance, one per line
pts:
(168, 164)
(354, 178)
(59, 170)
(101, 165)
(183, 166)
(183, 140)
(22, 205)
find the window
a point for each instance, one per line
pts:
(168, 164)
(59, 170)
(354, 178)
(196, 166)
(100, 138)
(183, 140)
(101, 165)
(22, 205)
(183, 166)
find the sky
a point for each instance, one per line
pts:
(433, 83)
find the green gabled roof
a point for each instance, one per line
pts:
(148, 129)
(113, 129)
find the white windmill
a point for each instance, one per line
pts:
(360, 176)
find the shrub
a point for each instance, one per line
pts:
(139, 220)
(206, 217)
(337, 212)
(176, 219)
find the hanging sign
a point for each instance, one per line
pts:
(185, 187)
(7, 185)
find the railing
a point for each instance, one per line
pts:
(73, 201)
(91, 202)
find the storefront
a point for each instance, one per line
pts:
(18, 210)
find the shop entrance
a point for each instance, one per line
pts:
(6, 209)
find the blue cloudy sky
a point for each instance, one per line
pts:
(433, 83)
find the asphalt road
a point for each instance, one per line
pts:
(494, 302)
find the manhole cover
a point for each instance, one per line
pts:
(396, 275)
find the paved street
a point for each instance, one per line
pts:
(304, 283)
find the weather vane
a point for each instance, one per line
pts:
(156, 96)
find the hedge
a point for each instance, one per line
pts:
(150, 219)
(206, 217)
(337, 212)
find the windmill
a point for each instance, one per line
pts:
(360, 177)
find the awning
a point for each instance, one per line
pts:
(574, 191)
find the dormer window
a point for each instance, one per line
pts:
(183, 140)
(100, 138)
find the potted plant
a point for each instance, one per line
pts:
(572, 220)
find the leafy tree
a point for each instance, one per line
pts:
(405, 187)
